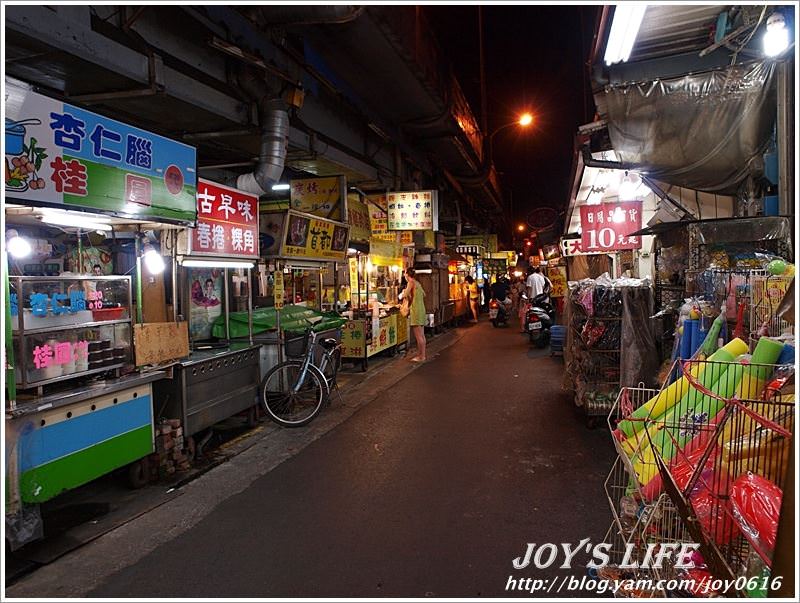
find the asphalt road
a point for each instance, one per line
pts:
(430, 490)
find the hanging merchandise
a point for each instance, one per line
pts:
(605, 316)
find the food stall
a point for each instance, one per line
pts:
(77, 407)
(374, 323)
(220, 377)
(306, 251)
(457, 271)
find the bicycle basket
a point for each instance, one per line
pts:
(296, 344)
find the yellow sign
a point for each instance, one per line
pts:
(402, 328)
(353, 265)
(358, 218)
(406, 238)
(309, 237)
(386, 336)
(376, 205)
(558, 277)
(353, 342)
(319, 196)
(359, 341)
(383, 253)
(277, 289)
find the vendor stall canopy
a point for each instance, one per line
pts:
(694, 105)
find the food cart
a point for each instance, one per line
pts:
(432, 274)
(374, 323)
(306, 251)
(77, 406)
(220, 377)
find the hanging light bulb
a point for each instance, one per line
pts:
(627, 188)
(152, 259)
(776, 38)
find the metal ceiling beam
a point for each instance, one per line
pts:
(45, 25)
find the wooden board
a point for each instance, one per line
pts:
(158, 342)
(154, 305)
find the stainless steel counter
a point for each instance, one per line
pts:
(210, 386)
(87, 392)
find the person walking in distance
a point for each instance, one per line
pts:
(415, 295)
(474, 297)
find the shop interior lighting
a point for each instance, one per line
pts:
(74, 220)
(281, 187)
(624, 29)
(776, 38)
(152, 259)
(217, 264)
(16, 245)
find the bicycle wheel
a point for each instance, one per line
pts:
(288, 407)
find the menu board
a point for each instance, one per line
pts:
(412, 210)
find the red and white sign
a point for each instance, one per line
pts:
(607, 227)
(227, 222)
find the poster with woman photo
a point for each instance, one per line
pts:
(206, 301)
(298, 231)
(339, 238)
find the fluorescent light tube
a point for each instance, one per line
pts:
(624, 29)
(216, 264)
(74, 221)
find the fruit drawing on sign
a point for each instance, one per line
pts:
(173, 179)
(23, 158)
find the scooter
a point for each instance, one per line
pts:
(499, 311)
(539, 319)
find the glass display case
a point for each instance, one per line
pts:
(66, 327)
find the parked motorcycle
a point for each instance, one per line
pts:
(539, 320)
(499, 311)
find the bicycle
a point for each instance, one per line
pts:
(294, 391)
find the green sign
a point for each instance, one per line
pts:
(64, 156)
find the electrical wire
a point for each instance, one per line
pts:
(749, 37)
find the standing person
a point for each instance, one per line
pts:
(473, 296)
(415, 295)
(522, 304)
(535, 283)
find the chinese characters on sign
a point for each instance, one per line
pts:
(358, 218)
(608, 227)
(227, 222)
(319, 196)
(376, 205)
(59, 303)
(61, 154)
(315, 238)
(413, 210)
(63, 352)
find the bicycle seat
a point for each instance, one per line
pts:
(329, 343)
